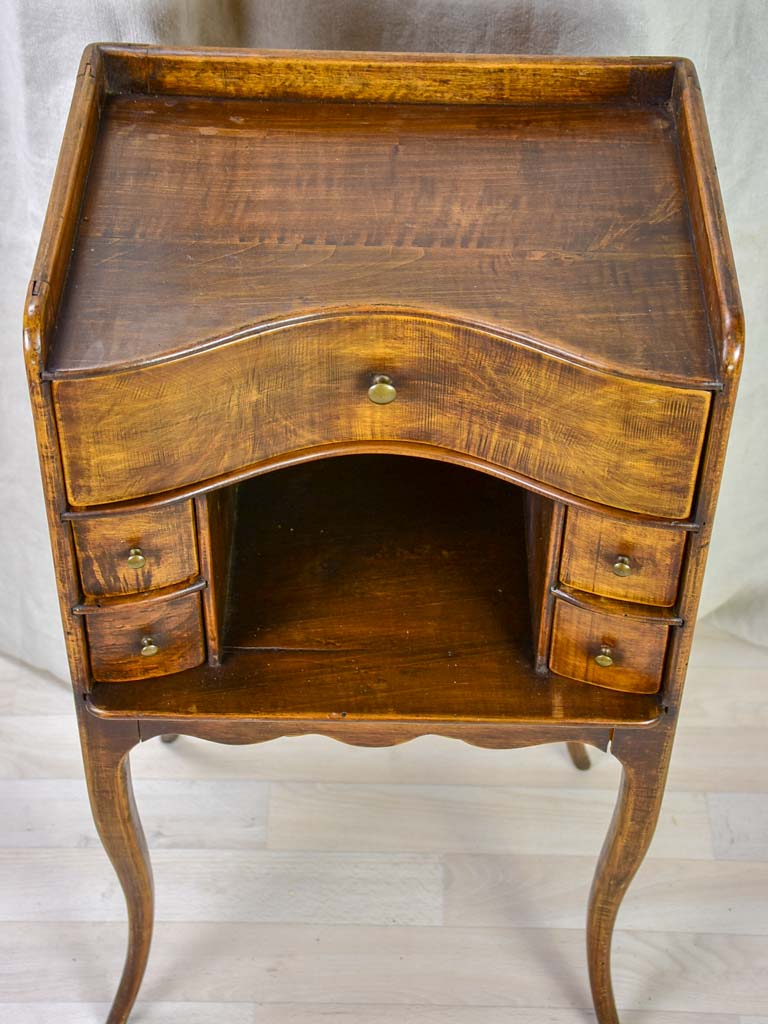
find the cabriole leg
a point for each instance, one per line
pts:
(106, 746)
(644, 755)
(579, 755)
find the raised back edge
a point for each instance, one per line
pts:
(386, 77)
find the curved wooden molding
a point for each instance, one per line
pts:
(372, 314)
(626, 609)
(373, 734)
(340, 449)
(149, 598)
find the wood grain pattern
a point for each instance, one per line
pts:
(256, 885)
(625, 609)
(38, 746)
(415, 449)
(164, 1013)
(637, 648)
(508, 968)
(215, 513)
(167, 538)
(46, 287)
(676, 894)
(544, 521)
(405, 585)
(386, 77)
(726, 319)
(482, 819)
(708, 223)
(108, 775)
(629, 835)
(567, 225)
(678, 909)
(622, 442)
(115, 638)
(233, 811)
(592, 545)
(539, 243)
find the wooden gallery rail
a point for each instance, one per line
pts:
(380, 395)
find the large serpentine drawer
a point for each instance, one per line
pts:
(617, 441)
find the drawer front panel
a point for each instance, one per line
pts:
(118, 635)
(617, 559)
(635, 648)
(623, 443)
(140, 551)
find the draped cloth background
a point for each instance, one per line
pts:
(41, 44)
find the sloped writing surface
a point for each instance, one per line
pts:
(566, 224)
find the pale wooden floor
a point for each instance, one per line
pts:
(304, 881)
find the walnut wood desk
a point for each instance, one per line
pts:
(376, 396)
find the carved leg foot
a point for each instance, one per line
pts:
(169, 737)
(645, 759)
(579, 755)
(106, 746)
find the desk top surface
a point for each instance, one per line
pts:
(564, 224)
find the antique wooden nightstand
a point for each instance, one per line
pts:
(501, 288)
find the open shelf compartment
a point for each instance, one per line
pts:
(376, 587)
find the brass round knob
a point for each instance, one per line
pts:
(148, 647)
(604, 657)
(136, 559)
(622, 566)
(382, 391)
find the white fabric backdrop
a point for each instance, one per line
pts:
(41, 45)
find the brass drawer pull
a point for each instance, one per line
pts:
(136, 559)
(148, 647)
(622, 566)
(382, 391)
(605, 657)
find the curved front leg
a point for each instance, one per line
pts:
(645, 759)
(579, 756)
(106, 746)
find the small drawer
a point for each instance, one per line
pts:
(146, 638)
(607, 650)
(137, 551)
(619, 559)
